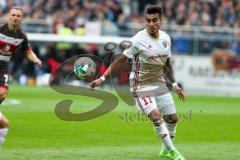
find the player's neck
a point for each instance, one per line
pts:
(154, 35)
(12, 28)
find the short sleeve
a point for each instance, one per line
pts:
(169, 47)
(25, 45)
(132, 50)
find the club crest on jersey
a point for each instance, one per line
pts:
(165, 44)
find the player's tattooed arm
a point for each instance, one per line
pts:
(169, 71)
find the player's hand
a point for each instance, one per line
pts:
(180, 92)
(95, 83)
(38, 62)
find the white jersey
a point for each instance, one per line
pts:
(149, 57)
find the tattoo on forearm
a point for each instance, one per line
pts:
(169, 71)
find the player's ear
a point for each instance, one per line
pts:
(160, 19)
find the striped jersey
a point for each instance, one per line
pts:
(10, 41)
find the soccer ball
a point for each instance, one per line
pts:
(84, 68)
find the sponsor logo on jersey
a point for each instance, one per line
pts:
(157, 56)
(6, 48)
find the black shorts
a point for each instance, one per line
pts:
(4, 74)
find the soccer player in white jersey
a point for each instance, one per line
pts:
(151, 52)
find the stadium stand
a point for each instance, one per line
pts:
(197, 27)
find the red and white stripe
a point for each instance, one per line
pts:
(136, 73)
(10, 40)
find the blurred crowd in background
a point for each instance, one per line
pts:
(127, 14)
(121, 18)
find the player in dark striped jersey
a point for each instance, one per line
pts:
(11, 38)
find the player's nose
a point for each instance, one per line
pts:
(152, 23)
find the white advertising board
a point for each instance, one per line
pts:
(197, 75)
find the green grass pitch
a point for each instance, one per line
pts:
(209, 129)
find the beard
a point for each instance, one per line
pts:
(152, 31)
